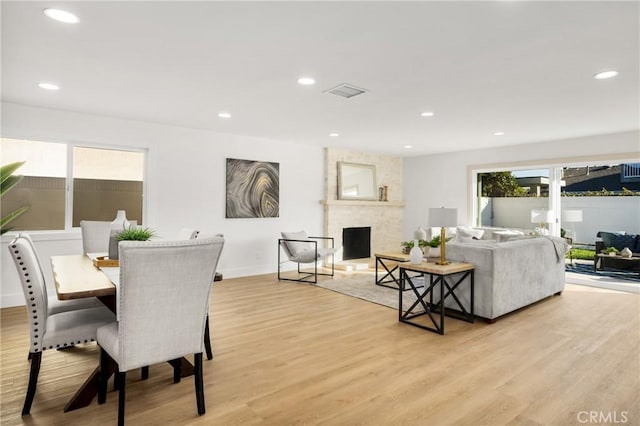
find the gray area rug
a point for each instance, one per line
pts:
(362, 286)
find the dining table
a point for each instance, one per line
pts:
(77, 276)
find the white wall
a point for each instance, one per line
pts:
(443, 179)
(185, 186)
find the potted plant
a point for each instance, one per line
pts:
(434, 246)
(408, 245)
(132, 233)
(7, 181)
(611, 251)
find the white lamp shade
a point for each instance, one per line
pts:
(541, 216)
(443, 217)
(572, 215)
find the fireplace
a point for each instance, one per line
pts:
(356, 243)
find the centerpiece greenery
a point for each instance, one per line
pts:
(134, 233)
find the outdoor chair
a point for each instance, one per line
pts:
(303, 249)
(49, 330)
(163, 300)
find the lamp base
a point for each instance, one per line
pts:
(446, 262)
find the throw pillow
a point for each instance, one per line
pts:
(637, 249)
(618, 240)
(465, 234)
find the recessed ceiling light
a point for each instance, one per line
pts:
(61, 15)
(334, 135)
(408, 146)
(306, 81)
(224, 115)
(498, 134)
(48, 86)
(605, 74)
(427, 114)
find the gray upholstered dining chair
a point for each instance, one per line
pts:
(303, 249)
(162, 302)
(95, 236)
(187, 234)
(55, 306)
(49, 331)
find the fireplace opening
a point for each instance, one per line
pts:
(356, 243)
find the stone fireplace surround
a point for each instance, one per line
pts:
(384, 218)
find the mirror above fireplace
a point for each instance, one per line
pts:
(357, 181)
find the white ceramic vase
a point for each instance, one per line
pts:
(415, 255)
(119, 224)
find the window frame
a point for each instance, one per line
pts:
(68, 205)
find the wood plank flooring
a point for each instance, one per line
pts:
(295, 354)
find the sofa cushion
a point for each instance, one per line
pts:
(637, 249)
(618, 240)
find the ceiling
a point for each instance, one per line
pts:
(522, 68)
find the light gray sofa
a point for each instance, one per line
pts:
(512, 274)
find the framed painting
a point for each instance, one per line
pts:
(253, 189)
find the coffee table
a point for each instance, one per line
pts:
(602, 261)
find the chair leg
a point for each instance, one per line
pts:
(104, 376)
(121, 396)
(144, 373)
(197, 372)
(36, 358)
(207, 340)
(29, 356)
(177, 370)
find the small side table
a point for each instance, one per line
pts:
(448, 278)
(382, 260)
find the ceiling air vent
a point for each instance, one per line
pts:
(346, 90)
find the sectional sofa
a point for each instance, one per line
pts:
(512, 270)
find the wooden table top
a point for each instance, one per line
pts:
(395, 255)
(433, 268)
(76, 277)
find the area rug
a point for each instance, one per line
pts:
(362, 286)
(587, 269)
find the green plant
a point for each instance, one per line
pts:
(435, 241)
(135, 234)
(7, 181)
(611, 250)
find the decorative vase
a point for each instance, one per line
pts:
(415, 255)
(120, 223)
(420, 234)
(626, 252)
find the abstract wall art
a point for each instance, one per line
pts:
(253, 189)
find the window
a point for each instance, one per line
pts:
(101, 182)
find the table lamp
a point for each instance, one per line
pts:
(572, 216)
(443, 218)
(541, 216)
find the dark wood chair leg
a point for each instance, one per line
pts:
(104, 376)
(116, 382)
(36, 358)
(207, 340)
(144, 373)
(29, 356)
(177, 370)
(121, 396)
(197, 372)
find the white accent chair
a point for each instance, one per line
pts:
(303, 249)
(47, 330)
(162, 302)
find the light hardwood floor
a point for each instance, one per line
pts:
(295, 354)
